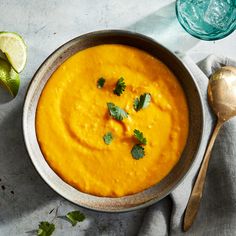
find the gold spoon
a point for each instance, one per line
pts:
(222, 99)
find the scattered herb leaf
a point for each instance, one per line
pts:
(120, 87)
(136, 104)
(116, 112)
(137, 151)
(101, 82)
(75, 216)
(142, 102)
(108, 138)
(139, 136)
(45, 228)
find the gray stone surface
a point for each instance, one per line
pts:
(25, 199)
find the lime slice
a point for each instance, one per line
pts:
(14, 48)
(9, 78)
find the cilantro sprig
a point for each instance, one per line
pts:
(137, 151)
(120, 87)
(139, 136)
(142, 102)
(116, 112)
(75, 216)
(107, 138)
(101, 82)
(45, 228)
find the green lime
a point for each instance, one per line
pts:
(14, 48)
(9, 78)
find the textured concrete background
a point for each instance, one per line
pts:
(25, 199)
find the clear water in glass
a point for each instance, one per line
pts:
(207, 19)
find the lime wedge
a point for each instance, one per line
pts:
(14, 48)
(9, 78)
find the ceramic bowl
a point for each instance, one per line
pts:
(141, 199)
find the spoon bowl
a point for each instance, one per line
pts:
(222, 92)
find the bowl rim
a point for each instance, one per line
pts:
(124, 33)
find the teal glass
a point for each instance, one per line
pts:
(207, 19)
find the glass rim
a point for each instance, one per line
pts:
(224, 34)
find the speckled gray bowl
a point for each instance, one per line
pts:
(134, 201)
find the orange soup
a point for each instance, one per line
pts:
(84, 142)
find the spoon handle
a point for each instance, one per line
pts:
(196, 194)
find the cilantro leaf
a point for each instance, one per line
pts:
(116, 112)
(142, 102)
(45, 229)
(75, 216)
(137, 151)
(120, 87)
(101, 82)
(139, 136)
(108, 138)
(136, 104)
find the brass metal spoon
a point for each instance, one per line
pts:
(222, 99)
